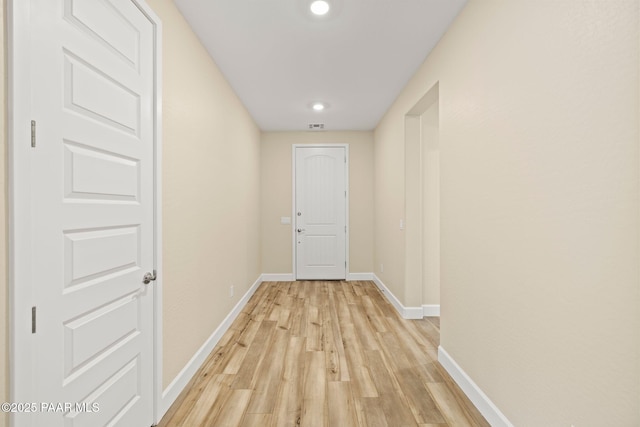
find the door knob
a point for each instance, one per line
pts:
(149, 277)
(300, 230)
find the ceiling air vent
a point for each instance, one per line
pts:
(316, 126)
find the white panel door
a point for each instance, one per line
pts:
(92, 79)
(321, 211)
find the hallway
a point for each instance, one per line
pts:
(323, 354)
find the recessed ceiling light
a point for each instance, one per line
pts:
(317, 106)
(320, 7)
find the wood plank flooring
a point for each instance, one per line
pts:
(328, 354)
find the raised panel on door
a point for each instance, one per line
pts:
(93, 217)
(320, 179)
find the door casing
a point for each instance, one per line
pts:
(19, 194)
(293, 202)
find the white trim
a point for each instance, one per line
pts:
(285, 277)
(360, 276)
(431, 310)
(173, 390)
(293, 202)
(294, 214)
(486, 407)
(412, 313)
(389, 295)
(157, 208)
(347, 188)
(405, 312)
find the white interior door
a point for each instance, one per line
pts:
(92, 211)
(320, 213)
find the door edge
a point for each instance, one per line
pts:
(159, 407)
(19, 207)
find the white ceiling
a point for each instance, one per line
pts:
(279, 58)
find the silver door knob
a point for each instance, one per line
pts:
(148, 278)
(300, 230)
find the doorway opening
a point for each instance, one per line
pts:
(422, 204)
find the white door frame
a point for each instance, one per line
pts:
(294, 246)
(21, 288)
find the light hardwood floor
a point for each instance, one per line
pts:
(331, 354)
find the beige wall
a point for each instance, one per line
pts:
(430, 155)
(211, 229)
(276, 198)
(389, 239)
(4, 289)
(539, 145)
(211, 167)
(539, 157)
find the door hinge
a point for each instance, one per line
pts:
(33, 133)
(345, 228)
(33, 320)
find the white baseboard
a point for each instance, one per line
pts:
(360, 276)
(486, 407)
(173, 390)
(405, 312)
(285, 277)
(389, 295)
(431, 310)
(288, 277)
(412, 313)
